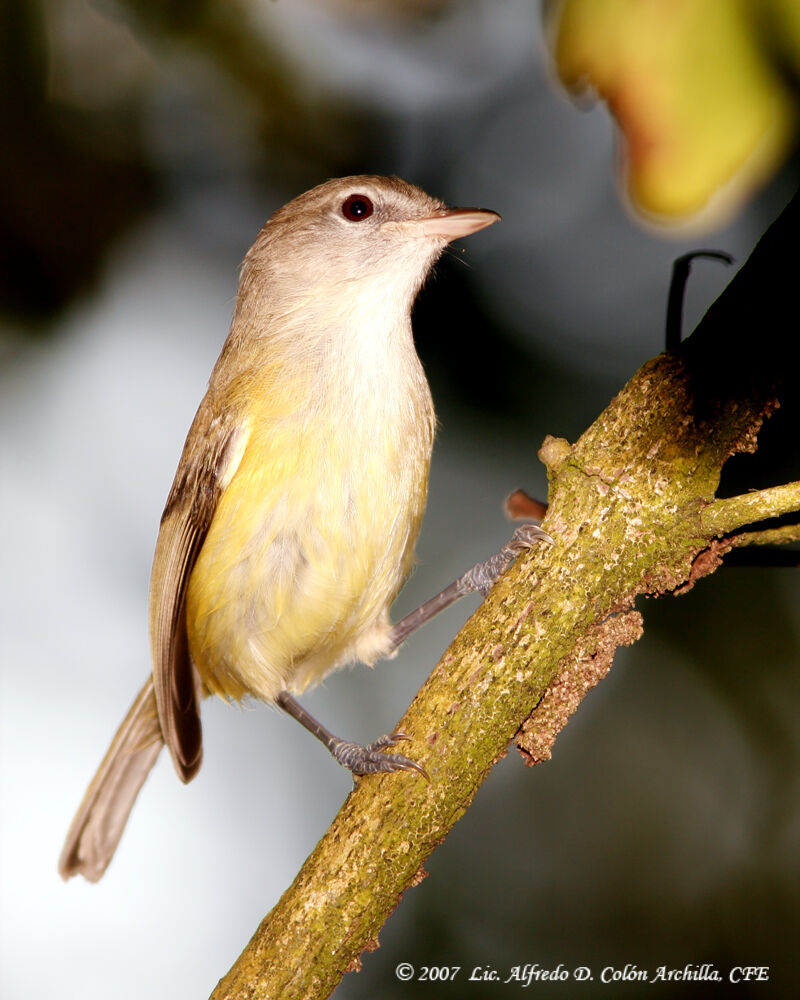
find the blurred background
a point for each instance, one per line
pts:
(144, 146)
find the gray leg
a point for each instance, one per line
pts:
(359, 759)
(370, 759)
(480, 578)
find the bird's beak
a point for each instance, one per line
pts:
(452, 223)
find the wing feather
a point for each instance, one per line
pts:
(213, 450)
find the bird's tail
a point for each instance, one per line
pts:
(101, 818)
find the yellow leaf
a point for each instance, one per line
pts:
(705, 113)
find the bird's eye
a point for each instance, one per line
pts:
(357, 207)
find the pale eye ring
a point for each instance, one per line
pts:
(357, 207)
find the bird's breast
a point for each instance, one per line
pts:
(314, 535)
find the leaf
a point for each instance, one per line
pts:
(698, 88)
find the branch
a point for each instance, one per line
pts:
(633, 511)
(728, 515)
(770, 536)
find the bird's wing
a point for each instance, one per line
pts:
(213, 450)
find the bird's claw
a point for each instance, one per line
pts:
(526, 535)
(483, 576)
(371, 759)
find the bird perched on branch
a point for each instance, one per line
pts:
(292, 519)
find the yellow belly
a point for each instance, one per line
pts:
(308, 547)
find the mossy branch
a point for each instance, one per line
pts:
(633, 512)
(734, 513)
(770, 536)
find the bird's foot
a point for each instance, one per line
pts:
(484, 575)
(371, 759)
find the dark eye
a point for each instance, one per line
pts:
(357, 207)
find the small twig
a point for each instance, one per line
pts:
(770, 536)
(521, 506)
(724, 516)
(681, 268)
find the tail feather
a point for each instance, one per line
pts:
(101, 817)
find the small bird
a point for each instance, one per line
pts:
(292, 520)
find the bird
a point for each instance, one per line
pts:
(292, 520)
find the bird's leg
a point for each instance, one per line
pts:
(481, 577)
(359, 759)
(370, 759)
